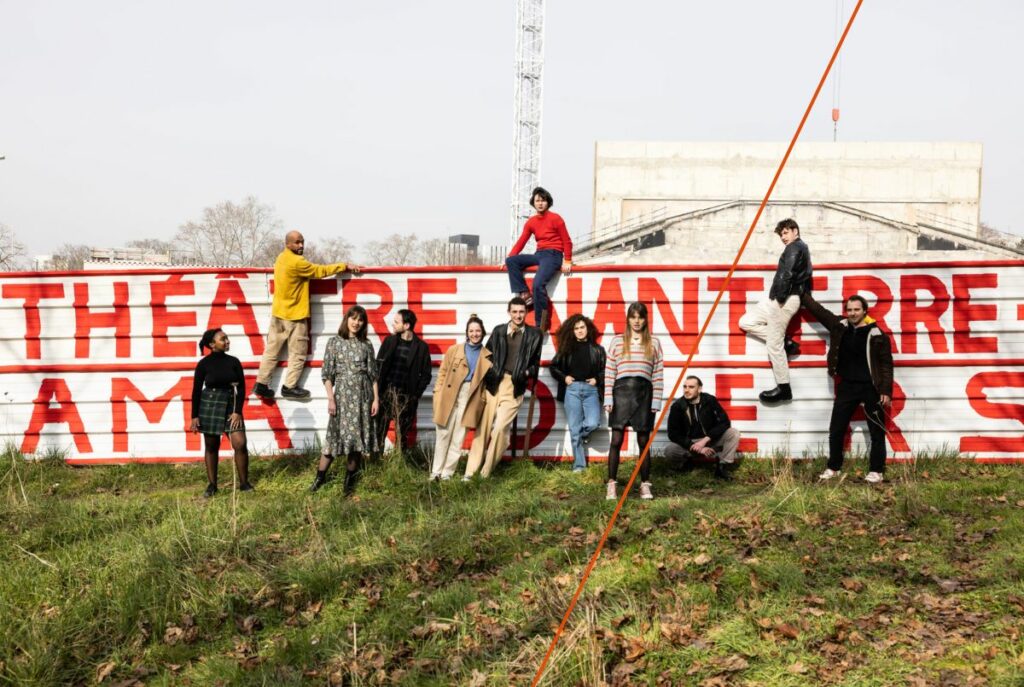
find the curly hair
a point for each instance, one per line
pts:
(566, 338)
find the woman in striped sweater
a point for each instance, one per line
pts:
(634, 380)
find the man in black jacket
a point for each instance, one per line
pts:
(769, 318)
(404, 367)
(860, 361)
(699, 427)
(515, 359)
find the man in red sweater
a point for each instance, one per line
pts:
(554, 253)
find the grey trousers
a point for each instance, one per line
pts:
(725, 448)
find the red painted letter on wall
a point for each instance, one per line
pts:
(119, 320)
(418, 287)
(738, 289)
(229, 291)
(123, 390)
(912, 314)
(65, 413)
(32, 294)
(964, 313)
(164, 319)
(978, 399)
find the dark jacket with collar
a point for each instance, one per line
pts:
(418, 379)
(526, 364)
(879, 346)
(793, 275)
(561, 365)
(710, 415)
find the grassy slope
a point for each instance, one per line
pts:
(123, 573)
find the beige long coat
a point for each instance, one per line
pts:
(454, 369)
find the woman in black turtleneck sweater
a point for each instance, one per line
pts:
(218, 394)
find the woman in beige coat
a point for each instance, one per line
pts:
(458, 397)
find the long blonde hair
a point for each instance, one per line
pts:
(645, 334)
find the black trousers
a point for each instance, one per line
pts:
(850, 395)
(398, 407)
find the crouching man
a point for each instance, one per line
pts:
(699, 428)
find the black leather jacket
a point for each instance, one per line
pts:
(560, 366)
(711, 417)
(525, 366)
(793, 275)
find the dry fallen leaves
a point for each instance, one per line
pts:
(104, 670)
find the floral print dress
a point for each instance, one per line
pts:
(352, 367)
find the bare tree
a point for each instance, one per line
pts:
(397, 249)
(436, 252)
(151, 245)
(329, 251)
(230, 234)
(71, 256)
(12, 251)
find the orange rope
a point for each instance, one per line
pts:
(689, 359)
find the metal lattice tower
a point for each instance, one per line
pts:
(529, 73)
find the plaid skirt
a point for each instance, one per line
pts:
(215, 408)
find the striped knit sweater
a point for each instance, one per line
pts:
(618, 366)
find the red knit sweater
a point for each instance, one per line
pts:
(550, 232)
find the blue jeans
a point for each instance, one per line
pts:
(547, 262)
(583, 406)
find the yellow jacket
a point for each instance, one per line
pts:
(292, 273)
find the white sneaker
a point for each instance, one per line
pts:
(645, 491)
(446, 478)
(828, 474)
(613, 493)
(874, 478)
(466, 478)
(434, 477)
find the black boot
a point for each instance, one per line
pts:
(780, 393)
(319, 480)
(350, 481)
(263, 391)
(791, 347)
(721, 472)
(211, 489)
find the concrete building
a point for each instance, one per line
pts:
(679, 202)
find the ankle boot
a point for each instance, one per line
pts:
(319, 480)
(782, 392)
(350, 481)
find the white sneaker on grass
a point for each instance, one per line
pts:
(612, 494)
(874, 478)
(828, 474)
(645, 491)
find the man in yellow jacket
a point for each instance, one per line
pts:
(290, 315)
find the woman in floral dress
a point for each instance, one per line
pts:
(349, 374)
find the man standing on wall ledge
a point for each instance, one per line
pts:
(554, 253)
(769, 318)
(289, 322)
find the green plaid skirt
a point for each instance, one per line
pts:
(215, 408)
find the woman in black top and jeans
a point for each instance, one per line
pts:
(217, 408)
(579, 369)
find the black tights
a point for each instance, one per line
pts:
(241, 448)
(354, 459)
(618, 436)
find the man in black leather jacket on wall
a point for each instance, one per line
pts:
(515, 358)
(769, 318)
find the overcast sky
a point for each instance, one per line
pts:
(123, 120)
